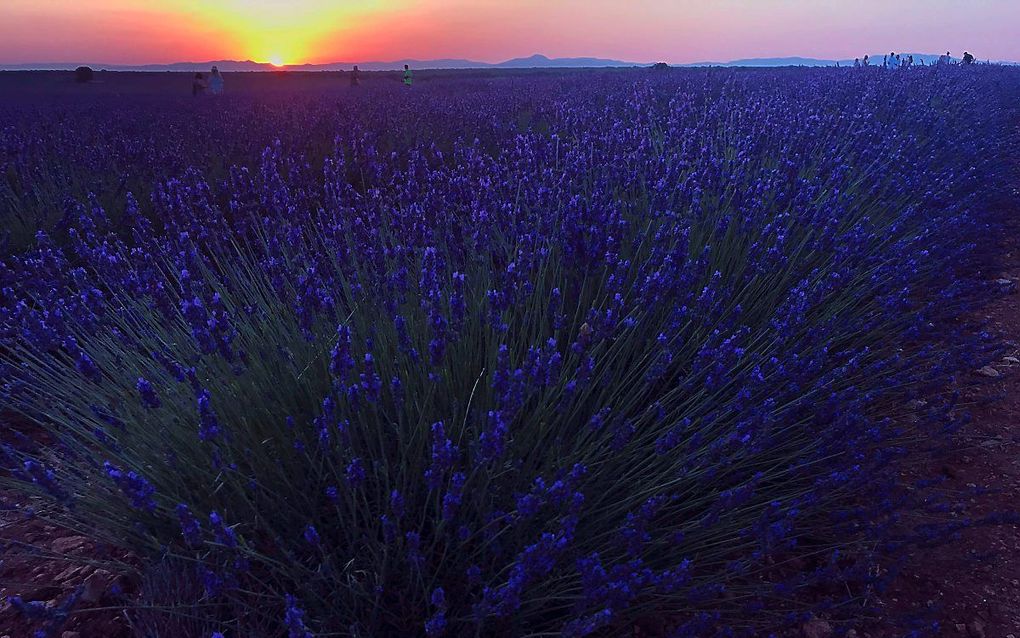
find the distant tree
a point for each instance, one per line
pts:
(660, 66)
(83, 74)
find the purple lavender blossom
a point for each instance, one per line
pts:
(134, 486)
(149, 396)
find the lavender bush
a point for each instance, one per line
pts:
(546, 356)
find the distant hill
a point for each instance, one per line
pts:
(791, 61)
(539, 61)
(919, 58)
(876, 59)
(536, 61)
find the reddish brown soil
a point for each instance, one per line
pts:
(43, 563)
(52, 579)
(973, 584)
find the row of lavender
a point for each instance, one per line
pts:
(129, 137)
(535, 357)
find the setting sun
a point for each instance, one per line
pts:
(275, 60)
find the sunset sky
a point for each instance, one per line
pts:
(317, 31)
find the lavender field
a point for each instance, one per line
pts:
(502, 354)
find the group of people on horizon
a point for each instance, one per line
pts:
(356, 76)
(214, 83)
(897, 61)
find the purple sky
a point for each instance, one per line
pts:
(295, 31)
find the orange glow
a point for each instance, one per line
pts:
(281, 32)
(317, 31)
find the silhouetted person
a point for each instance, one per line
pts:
(198, 84)
(968, 58)
(215, 82)
(407, 76)
(857, 63)
(355, 76)
(867, 60)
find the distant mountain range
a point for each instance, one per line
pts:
(799, 61)
(876, 59)
(536, 61)
(533, 62)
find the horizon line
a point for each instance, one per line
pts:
(42, 66)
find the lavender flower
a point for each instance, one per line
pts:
(208, 426)
(224, 535)
(134, 486)
(149, 396)
(311, 535)
(191, 529)
(444, 456)
(355, 473)
(293, 619)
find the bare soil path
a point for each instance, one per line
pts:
(972, 585)
(45, 565)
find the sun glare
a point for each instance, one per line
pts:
(276, 60)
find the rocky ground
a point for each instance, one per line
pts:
(973, 584)
(43, 564)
